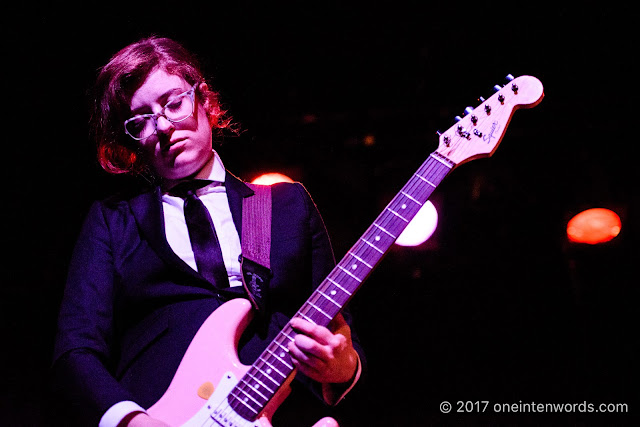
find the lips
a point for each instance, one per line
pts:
(173, 144)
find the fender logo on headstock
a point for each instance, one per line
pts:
(494, 127)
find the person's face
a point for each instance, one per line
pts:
(176, 150)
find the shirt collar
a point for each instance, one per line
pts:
(213, 170)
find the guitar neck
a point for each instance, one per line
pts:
(349, 274)
(273, 367)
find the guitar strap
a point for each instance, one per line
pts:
(256, 245)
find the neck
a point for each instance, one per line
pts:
(205, 172)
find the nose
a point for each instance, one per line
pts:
(163, 125)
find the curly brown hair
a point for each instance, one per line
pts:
(117, 82)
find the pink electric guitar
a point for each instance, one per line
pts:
(212, 388)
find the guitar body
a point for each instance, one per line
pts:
(209, 369)
(210, 356)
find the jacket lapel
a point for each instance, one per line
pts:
(147, 211)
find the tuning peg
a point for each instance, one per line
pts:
(468, 110)
(481, 99)
(446, 139)
(496, 88)
(458, 118)
(509, 77)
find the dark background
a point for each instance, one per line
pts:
(496, 307)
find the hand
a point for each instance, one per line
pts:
(322, 355)
(143, 420)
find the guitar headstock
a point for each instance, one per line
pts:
(480, 131)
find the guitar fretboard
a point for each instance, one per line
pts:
(270, 371)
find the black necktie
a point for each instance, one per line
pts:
(202, 234)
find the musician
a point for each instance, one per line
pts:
(134, 298)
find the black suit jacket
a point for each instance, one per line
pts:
(131, 305)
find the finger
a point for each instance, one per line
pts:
(309, 348)
(317, 332)
(309, 365)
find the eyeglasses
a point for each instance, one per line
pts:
(178, 108)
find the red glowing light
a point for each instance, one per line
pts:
(271, 178)
(594, 226)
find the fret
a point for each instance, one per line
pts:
(259, 383)
(315, 307)
(281, 340)
(271, 368)
(349, 273)
(366, 251)
(277, 358)
(372, 245)
(398, 215)
(353, 270)
(248, 396)
(307, 318)
(339, 294)
(245, 404)
(264, 375)
(280, 357)
(403, 208)
(408, 196)
(282, 346)
(254, 389)
(243, 384)
(330, 299)
(425, 180)
(327, 306)
(338, 285)
(360, 259)
(410, 204)
(385, 231)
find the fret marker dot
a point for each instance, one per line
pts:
(282, 354)
(354, 266)
(404, 206)
(333, 292)
(377, 238)
(269, 371)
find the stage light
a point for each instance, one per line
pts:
(421, 227)
(594, 226)
(271, 178)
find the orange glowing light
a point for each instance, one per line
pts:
(271, 178)
(594, 226)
